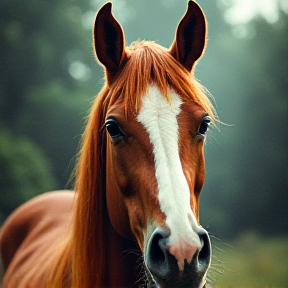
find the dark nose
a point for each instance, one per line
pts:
(164, 267)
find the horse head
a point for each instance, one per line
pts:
(155, 119)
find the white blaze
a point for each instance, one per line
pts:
(159, 117)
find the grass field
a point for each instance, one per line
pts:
(251, 261)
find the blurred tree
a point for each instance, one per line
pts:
(25, 171)
(265, 128)
(248, 190)
(45, 79)
(45, 75)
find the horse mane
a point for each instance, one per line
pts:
(83, 250)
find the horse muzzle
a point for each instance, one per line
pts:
(166, 269)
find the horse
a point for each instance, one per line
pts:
(133, 220)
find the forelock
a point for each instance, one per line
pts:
(149, 63)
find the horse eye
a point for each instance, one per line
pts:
(113, 129)
(204, 126)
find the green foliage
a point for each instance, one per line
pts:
(251, 261)
(25, 171)
(53, 117)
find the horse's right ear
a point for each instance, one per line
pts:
(109, 41)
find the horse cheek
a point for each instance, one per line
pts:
(117, 210)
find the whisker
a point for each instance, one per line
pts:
(218, 260)
(136, 252)
(217, 248)
(219, 267)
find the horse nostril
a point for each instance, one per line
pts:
(204, 256)
(157, 255)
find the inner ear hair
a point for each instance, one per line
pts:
(191, 37)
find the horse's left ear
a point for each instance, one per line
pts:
(191, 37)
(109, 41)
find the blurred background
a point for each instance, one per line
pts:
(48, 79)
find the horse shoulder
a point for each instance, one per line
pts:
(31, 233)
